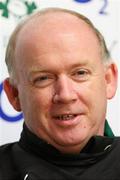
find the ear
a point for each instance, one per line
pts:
(12, 94)
(111, 77)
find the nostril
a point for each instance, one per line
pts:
(63, 98)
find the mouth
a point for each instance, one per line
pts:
(67, 120)
(65, 117)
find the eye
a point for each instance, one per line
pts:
(80, 74)
(43, 80)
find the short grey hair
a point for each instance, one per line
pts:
(10, 51)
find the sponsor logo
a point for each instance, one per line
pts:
(102, 9)
(4, 115)
(17, 8)
(83, 1)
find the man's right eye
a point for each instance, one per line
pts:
(43, 80)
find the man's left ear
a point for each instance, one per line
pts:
(111, 77)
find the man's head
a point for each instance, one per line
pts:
(61, 76)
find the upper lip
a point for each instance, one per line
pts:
(63, 114)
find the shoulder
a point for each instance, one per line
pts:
(116, 141)
(6, 153)
(7, 170)
(113, 147)
(6, 148)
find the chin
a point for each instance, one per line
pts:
(72, 141)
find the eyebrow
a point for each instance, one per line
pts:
(42, 69)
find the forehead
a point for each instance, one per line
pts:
(55, 31)
(54, 23)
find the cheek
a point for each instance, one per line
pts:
(98, 103)
(42, 99)
(96, 88)
(93, 95)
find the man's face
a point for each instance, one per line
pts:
(62, 84)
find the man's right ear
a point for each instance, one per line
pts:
(12, 94)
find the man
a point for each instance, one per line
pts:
(61, 76)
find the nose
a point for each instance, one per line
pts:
(64, 91)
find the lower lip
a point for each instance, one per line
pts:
(65, 123)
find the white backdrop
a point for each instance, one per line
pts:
(105, 14)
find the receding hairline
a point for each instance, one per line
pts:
(10, 52)
(48, 11)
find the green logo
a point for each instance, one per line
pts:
(17, 8)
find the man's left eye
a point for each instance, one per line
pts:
(80, 75)
(81, 72)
